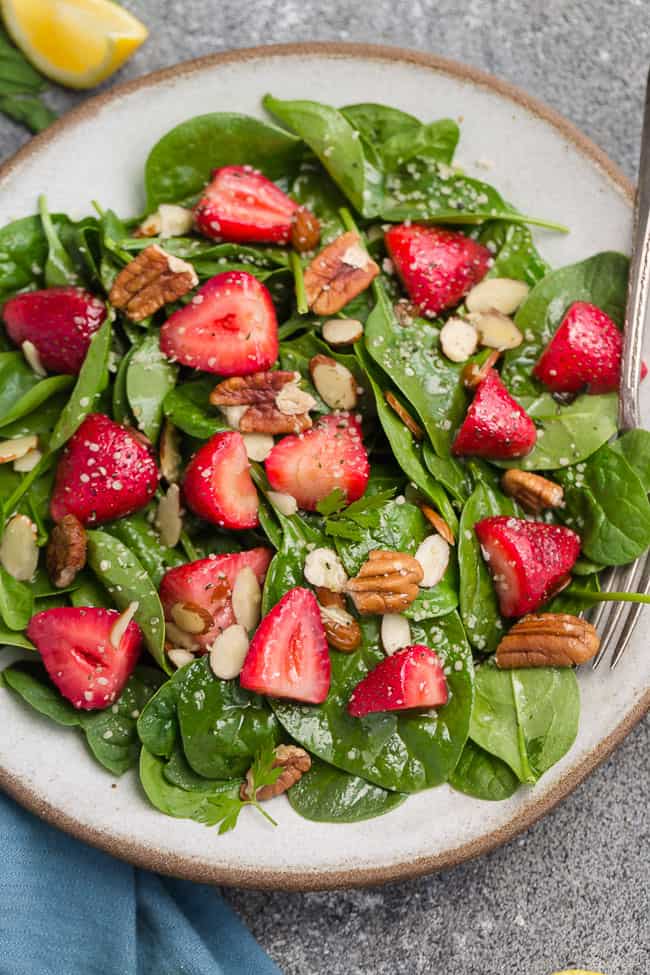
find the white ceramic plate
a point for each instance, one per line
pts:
(542, 165)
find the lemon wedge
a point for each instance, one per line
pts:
(78, 43)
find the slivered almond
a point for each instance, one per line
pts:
(438, 523)
(247, 599)
(404, 415)
(119, 626)
(258, 445)
(180, 638)
(334, 382)
(28, 462)
(191, 618)
(180, 657)
(498, 294)
(293, 401)
(342, 331)
(228, 652)
(433, 556)
(473, 374)
(168, 516)
(169, 220)
(11, 450)
(458, 339)
(170, 455)
(32, 358)
(286, 504)
(18, 549)
(395, 632)
(496, 331)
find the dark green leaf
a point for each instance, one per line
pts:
(328, 795)
(137, 533)
(28, 679)
(28, 109)
(149, 378)
(188, 407)
(172, 800)
(482, 775)
(91, 382)
(35, 397)
(59, 267)
(16, 601)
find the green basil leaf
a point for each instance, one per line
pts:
(328, 795)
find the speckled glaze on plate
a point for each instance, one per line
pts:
(539, 162)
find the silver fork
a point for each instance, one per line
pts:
(621, 618)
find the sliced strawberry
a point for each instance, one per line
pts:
(528, 560)
(437, 266)
(217, 483)
(495, 425)
(208, 583)
(288, 656)
(106, 472)
(242, 205)
(229, 327)
(585, 352)
(75, 646)
(310, 465)
(411, 678)
(59, 322)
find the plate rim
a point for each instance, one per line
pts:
(187, 867)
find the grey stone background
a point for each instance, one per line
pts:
(574, 890)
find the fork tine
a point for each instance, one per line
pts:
(633, 615)
(600, 616)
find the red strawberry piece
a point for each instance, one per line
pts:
(411, 678)
(242, 205)
(310, 465)
(75, 646)
(437, 266)
(208, 583)
(229, 327)
(528, 560)
(495, 425)
(217, 483)
(106, 472)
(59, 322)
(288, 656)
(585, 351)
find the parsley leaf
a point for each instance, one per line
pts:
(223, 811)
(351, 522)
(332, 504)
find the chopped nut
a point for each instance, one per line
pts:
(180, 657)
(11, 450)
(294, 401)
(323, 568)
(170, 455)
(404, 415)
(395, 632)
(334, 382)
(151, 280)
(548, 640)
(341, 629)
(27, 463)
(259, 387)
(342, 331)
(294, 760)
(268, 419)
(252, 404)
(228, 652)
(458, 339)
(258, 445)
(18, 549)
(339, 273)
(168, 516)
(498, 294)
(496, 331)
(305, 230)
(387, 583)
(327, 598)
(533, 492)
(433, 556)
(473, 374)
(247, 599)
(438, 523)
(66, 551)
(169, 220)
(179, 638)
(233, 415)
(32, 358)
(121, 623)
(191, 618)
(286, 504)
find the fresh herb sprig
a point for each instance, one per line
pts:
(223, 811)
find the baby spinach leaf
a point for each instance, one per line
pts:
(576, 598)
(482, 775)
(90, 592)
(11, 639)
(29, 679)
(180, 164)
(59, 268)
(401, 751)
(91, 382)
(188, 407)
(16, 601)
(449, 471)
(172, 800)
(635, 447)
(17, 75)
(515, 255)
(398, 136)
(16, 381)
(136, 532)
(149, 377)
(158, 723)
(178, 772)
(439, 600)
(527, 718)
(393, 525)
(120, 402)
(314, 188)
(127, 581)
(23, 251)
(35, 397)
(295, 355)
(40, 421)
(286, 568)
(328, 795)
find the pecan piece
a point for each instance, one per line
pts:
(548, 640)
(533, 492)
(293, 760)
(339, 273)
(253, 390)
(66, 551)
(305, 230)
(438, 523)
(473, 374)
(404, 415)
(267, 418)
(149, 281)
(387, 583)
(341, 629)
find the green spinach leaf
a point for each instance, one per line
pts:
(174, 801)
(91, 382)
(16, 601)
(328, 795)
(188, 407)
(149, 378)
(482, 775)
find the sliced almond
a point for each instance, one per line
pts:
(175, 221)
(168, 516)
(324, 569)
(473, 375)
(258, 445)
(170, 455)
(180, 657)
(286, 504)
(191, 618)
(496, 331)
(395, 632)
(32, 358)
(433, 556)
(498, 294)
(233, 415)
(334, 382)
(121, 623)
(11, 450)
(28, 462)
(404, 415)
(179, 637)
(247, 599)
(18, 549)
(293, 401)
(438, 523)
(342, 331)
(228, 652)
(458, 339)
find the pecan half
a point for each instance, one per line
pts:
(341, 629)
(387, 583)
(66, 551)
(339, 273)
(533, 492)
(473, 374)
(438, 523)
(548, 640)
(149, 281)
(404, 415)
(267, 418)
(294, 762)
(253, 390)
(305, 230)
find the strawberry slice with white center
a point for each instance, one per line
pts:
(528, 560)
(411, 678)
(495, 425)
(208, 583)
(310, 465)
(584, 353)
(229, 327)
(242, 205)
(288, 656)
(75, 644)
(217, 483)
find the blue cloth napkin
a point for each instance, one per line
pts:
(67, 909)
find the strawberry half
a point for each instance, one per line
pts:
(59, 322)
(495, 425)
(208, 583)
(411, 678)
(217, 483)
(585, 351)
(528, 560)
(310, 465)
(105, 472)
(75, 646)
(288, 656)
(437, 266)
(229, 327)
(242, 205)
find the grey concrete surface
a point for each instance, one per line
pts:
(574, 890)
